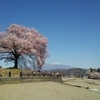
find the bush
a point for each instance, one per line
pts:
(0, 66)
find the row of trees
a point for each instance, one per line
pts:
(23, 46)
(94, 70)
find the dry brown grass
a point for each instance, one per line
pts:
(91, 83)
(14, 72)
(51, 90)
(45, 91)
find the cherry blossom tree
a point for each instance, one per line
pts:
(23, 46)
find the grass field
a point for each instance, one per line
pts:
(91, 83)
(68, 90)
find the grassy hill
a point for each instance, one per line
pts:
(14, 72)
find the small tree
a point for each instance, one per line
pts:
(98, 70)
(91, 69)
(23, 46)
(0, 66)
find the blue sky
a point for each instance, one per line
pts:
(71, 26)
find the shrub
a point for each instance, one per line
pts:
(0, 66)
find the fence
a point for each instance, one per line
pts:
(30, 79)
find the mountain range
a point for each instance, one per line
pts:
(51, 66)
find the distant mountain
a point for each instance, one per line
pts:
(74, 71)
(71, 71)
(51, 66)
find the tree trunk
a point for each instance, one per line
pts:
(16, 63)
